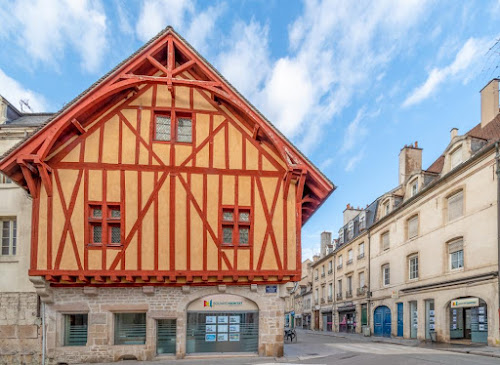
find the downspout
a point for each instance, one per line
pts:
(497, 158)
(369, 294)
(44, 338)
(334, 294)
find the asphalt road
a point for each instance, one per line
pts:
(324, 350)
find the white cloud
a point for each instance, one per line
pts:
(47, 28)
(195, 25)
(124, 19)
(13, 91)
(466, 58)
(245, 62)
(354, 160)
(335, 49)
(355, 131)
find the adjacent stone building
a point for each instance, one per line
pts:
(20, 337)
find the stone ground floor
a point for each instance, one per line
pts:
(97, 324)
(20, 337)
(460, 313)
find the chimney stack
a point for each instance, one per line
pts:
(489, 102)
(3, 110)
(326, 240)
(410, 161)
(453, 133)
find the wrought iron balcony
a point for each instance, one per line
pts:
(339, 296)
(361, 255)
(361, 291)
(348, 294)
(322, 300)
(330, 299)
(339, 267)
(349, 262)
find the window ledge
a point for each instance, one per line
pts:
(12, 259)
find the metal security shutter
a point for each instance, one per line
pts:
(166, 336)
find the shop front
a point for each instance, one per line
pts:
(306, 321)
(327, 319)
(347, 318)
(222, 323)
(469, 320)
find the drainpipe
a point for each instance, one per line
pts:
(369, 294)
(334, 294)
(497, 157)
(43, 333)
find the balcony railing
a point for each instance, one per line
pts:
(339, 266)
(361, 292)
(323, 275)
(349, 262)
(348, 294)
(330, 299)
(322, 300)
(339, 296)
(361, 255)
(330, 272)
(316, 278)
(316, 302)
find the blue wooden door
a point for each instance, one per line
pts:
(382, 321)
(400, 319)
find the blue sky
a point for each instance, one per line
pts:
(349, 82)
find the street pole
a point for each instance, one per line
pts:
(497, 158)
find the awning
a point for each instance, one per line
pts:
(347, 308)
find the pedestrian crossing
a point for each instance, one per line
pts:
(382, 348)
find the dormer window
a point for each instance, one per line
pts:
(414, 188)
(341, 236)
(456, 158)
(350, 230)
(362, 220)
(386, 208)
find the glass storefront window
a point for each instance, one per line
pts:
(130, 328)
(222, 332)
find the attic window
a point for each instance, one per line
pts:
(362, 220)
(456, 158)
(350, 230)
(173, 127)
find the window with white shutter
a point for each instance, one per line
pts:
(8, 236)
(413, 227)
(386, 274)
(456, 158)
(385, 241)
(455, 206)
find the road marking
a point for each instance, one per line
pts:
(383, 349)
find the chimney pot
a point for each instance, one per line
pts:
(453, 133)
(416, 144)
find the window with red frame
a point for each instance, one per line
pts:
(236, 226)
(105, 224)
(177, 127)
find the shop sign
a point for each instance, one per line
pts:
(222, 302)
(465, 303)
(271, 289)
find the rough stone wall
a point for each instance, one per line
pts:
(20, 340)
(157, 302)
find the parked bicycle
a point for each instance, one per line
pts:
(290, 334)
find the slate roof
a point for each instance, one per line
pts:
(490, 133)
(28, 120)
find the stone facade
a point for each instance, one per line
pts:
(157, 303)
(19, 329)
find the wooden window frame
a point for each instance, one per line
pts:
(174, 122)
(235, 224)
(106, 222)
(411, 257)
(12, 238)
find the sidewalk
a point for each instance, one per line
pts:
(466, 349)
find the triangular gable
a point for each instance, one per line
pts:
(161, 61)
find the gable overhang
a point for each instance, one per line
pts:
(29, 161)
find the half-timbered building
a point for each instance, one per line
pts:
(167, 214)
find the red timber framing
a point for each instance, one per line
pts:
(165, 192)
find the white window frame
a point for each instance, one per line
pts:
(361, 282)
(339, 285)
(361, 249)
(350, 255)
(330, 266)
(350, 230)
(414, 187)
(341, 236)
(413, 267)
(362, 220)
(349, 283)
(386, 275)
(340, 261)
(453, 251)
(10, 243)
